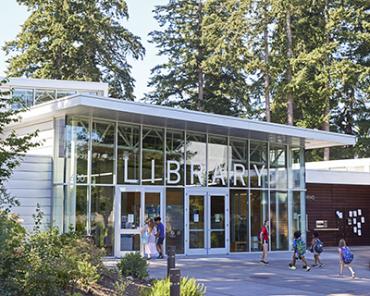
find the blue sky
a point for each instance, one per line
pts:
(141, 22)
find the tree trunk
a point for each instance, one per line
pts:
(267, 74)
(200, 103)
(289, 68)
(326, 123)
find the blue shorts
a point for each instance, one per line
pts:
(160, 240)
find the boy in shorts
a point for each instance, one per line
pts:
(160, 236)
(299, 249)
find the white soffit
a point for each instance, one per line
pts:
(336, 177)
(110, 108)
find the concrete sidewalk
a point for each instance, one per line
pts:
(244, 275)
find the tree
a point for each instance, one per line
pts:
(12, 146)
(206, 55)
(76, 39)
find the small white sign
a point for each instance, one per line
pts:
(362, 219)
(359, 212)
(350, 213)
(355, 229)
(130, 218)
(354, 213)
(359, 233)
(196, 218)
(354, 220)
(358, 224)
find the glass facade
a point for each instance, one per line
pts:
(117, 174)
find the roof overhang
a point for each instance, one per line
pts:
(109, 108)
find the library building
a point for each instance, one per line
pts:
(105, 165)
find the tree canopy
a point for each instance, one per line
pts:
(76, 40)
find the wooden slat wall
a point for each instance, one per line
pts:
(323, 200)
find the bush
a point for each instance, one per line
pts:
(45, 262)
(133, 265)
(188, 287)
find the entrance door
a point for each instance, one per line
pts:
(133, 205)
(207, 221)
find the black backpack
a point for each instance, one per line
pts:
(319, 246)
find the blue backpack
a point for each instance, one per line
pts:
(319, 246)
(347, 255)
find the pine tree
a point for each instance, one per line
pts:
(78, 40)
(206, 67)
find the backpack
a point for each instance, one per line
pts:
(347, 255)
(319, 246)
(300, 247)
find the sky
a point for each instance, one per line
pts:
(140, 22)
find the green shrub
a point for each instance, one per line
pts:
(133, 265)
(44, 262)
(188, 287)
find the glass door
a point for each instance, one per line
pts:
(206, 221)
(133, 205)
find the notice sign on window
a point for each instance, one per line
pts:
(130, 218)
(196, 218)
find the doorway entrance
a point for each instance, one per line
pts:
(207, 221)
(133, 205)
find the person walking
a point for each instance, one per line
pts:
(264, 239)
(316, 248)
(160, 236)
(299, 250)
(345, 258)
(148, 235)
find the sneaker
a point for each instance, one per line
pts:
(308, 268)
(321, 265)
(353, 275)
(292, 267)
(314, 265)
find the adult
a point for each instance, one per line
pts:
(264, 239)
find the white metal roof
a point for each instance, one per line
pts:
(128, 111)
(57, 84)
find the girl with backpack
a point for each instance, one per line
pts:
(345, 258)
(299, 249)
(316, 248)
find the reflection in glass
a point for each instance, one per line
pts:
(175, 149)
(102, 217)
(259, 213)
(217, 221)
(130, 210)
(298, 197)
(102, 153)
(25, 96)
(258, 164)
(239, 238)
(196, 159)
(153, 156)
(44, 95)
(77, 147)
(65, 93)
(279, 220)
(278, 167)
(128, 166)
(175, 219)
(298, 168)
(130, 242)
(152, 205)
(57, 209)
(217, 161)
(196, 221)
(239, 163)
(81, 209)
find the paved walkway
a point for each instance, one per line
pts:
(244, 275)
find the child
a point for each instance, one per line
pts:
(160, 236)
(299, 249)
(345, 258)
(264, 238)
(316, 248)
